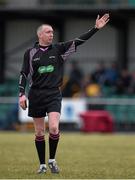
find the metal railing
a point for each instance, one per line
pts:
(121, 108)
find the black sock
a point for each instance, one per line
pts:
(40, 146)
(53, 142)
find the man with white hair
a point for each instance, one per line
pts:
(43, 64)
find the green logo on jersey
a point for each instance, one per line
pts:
(45, 69)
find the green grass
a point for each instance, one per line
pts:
(80, 156)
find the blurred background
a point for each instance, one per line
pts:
(99, 80)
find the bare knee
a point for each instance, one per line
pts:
(54, 122)
(39, 126)
(39, 132)
(53, 129)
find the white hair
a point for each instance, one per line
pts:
(40, 28)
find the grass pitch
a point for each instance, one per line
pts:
(80, 156)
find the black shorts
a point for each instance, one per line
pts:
(44, 101)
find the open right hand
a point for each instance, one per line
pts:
(23, 102)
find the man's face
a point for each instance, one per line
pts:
(46, 35)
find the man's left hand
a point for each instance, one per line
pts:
(101, 22)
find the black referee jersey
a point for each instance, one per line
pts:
(43, 66)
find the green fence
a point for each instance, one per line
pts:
(121, 107)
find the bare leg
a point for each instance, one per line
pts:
(39, 126)
(53, 118)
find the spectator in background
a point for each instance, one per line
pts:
(92, 89)
(99, 73)
(110, 79)
(111, 75)
(123, 83)
(74, 84)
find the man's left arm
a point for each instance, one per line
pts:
(100, 23)
(67, 48)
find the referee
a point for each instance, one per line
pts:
(43, 67)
